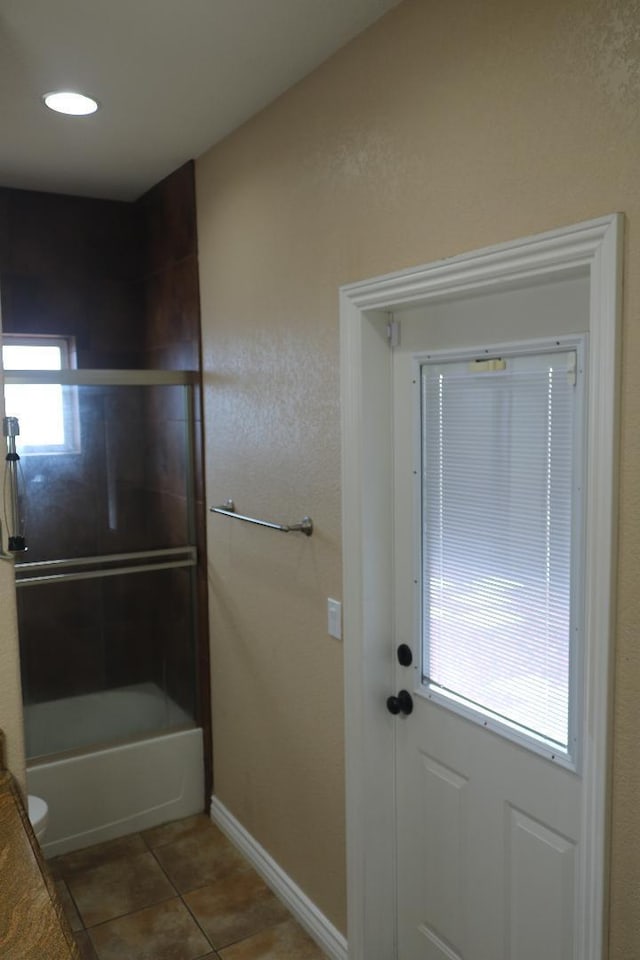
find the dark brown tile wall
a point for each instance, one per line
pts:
(123, 280)
(172, 328)
(70, 266)
(61, 640)
(170, 277)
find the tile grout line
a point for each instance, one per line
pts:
(225, 946)
(267, 926)
(75, 905)
(188, 908)
(181, 895)
(213, 951)
(131, 913)
(232, 943)
(197, 922)
(175, 894)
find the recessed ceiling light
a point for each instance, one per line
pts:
(75, 104)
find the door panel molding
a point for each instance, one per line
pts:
(592, 248)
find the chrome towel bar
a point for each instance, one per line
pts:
(228, 509)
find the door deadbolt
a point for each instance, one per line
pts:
(404, 654)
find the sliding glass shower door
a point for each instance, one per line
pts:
(106, 586)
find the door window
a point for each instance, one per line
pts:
(500, 492)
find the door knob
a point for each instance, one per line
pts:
(403, 703)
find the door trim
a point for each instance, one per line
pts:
(592, 248)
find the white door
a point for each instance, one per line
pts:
(488, 598)
(463, 840)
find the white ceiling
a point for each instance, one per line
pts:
(172, 77)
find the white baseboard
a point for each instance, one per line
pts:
(304, 910)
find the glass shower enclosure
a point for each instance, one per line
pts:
(106, 584)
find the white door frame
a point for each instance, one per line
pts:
(591, 248)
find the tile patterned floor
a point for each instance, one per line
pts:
(177, 892)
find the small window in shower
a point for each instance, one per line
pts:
(47, 412)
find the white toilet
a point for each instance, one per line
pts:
(38, 815)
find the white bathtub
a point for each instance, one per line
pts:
(108, 791)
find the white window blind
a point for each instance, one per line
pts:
(497, 498)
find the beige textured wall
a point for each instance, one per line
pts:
(10, 696)
(449, 125)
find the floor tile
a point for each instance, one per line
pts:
(78, 861)
(286, 941)
(119, 887)
(168, 832)
(68, 905)
(166, 931)
(235, 908)
(199, 859)
(85, 946)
